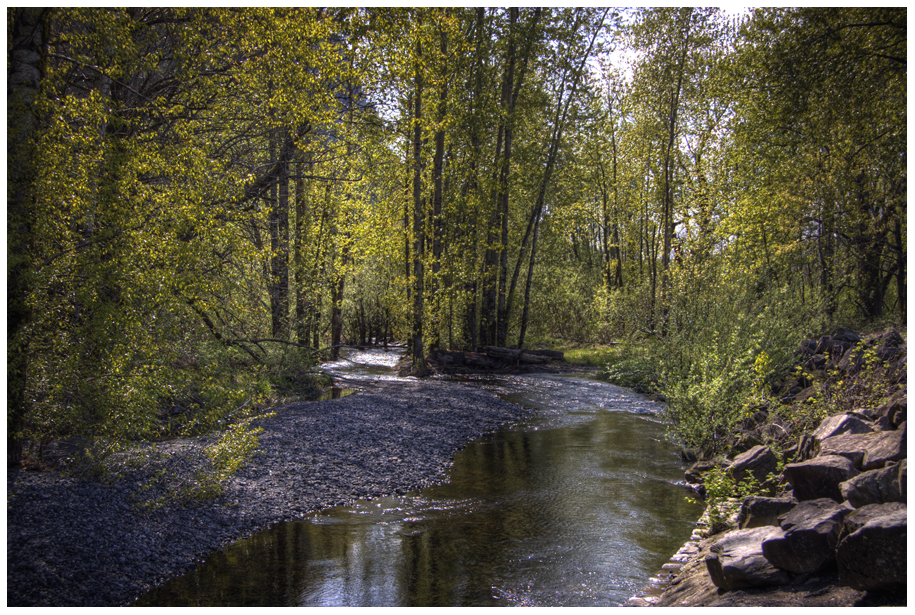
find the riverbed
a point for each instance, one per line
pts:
(576, 505)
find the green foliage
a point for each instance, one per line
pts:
(838, 392)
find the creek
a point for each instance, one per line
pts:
(578, 507)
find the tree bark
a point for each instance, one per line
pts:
(417, 351)
(28, 30)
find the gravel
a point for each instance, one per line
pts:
(79, 542)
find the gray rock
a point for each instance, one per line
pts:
(876, 486)
(890, 338)
(758, 462)
(850, 446)
(820, 476)
(810, 532)
(886, 446)
(758, 511)
(737, 560)
(852, 360)
(843, 334)
(872, 555)
(841, 424)
(893, 407)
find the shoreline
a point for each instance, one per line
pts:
(73, 542)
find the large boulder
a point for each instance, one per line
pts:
(758, 462)
(871, 554)
(876, 486)
(758, 511)
(820, 477)
(810, 532)
(737, 560)
(851, 446)
(886, 446)
(867, 451)
(841, 424)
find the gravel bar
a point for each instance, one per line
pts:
(77, 542)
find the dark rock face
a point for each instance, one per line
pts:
(757, 511)
(737, 560)
(876, 486)
(810, 532)
(820, 476)
(758, 462)
(872, 555)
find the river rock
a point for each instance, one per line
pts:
(876, 486)
(841, 424)
(758, 462)
(737, 560)
(886, 446)
(810, 532)
(820, 476)
(872, 555)
(759, 511)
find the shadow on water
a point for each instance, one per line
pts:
(576, 510)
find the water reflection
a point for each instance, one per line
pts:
(577, 511)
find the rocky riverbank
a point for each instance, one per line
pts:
(103, 542)
(830, 529)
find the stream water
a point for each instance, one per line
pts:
(577, 508)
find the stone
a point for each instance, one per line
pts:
(695, 472)
(841, 424)
(824, 345)
(850, 446)
(886, 446)
(843, 334)
(852, 360)
(820, 476)
(810, 532)
(737, 560)
(871, 554)
(758, 462)
(876, 486)
(890, 338)
(892, 413)
(758, 511)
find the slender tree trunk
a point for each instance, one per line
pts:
(527, 286)
(28, 31)
(437, 183)
(303, 334)
(900, 270)
(667, 216)
(417, 350)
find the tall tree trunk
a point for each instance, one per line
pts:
(527, 286)
(437, 179)
(667, 217)
(417, 350)
(302, 304)
(28, 31)
(899, 248)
